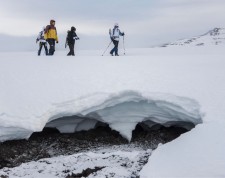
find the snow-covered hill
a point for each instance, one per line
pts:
(213, 37)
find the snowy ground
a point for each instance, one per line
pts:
(180, 82)
(111, 163)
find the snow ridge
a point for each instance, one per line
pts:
(122, 111)
(212, 37)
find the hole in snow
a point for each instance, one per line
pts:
(150, 137)
(122, 113)
(148, 132)
(135, 118)
(101, 132)
(71, 124)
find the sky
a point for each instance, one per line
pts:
(146, 23)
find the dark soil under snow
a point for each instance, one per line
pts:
(50, 143)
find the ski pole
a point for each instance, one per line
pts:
(107, 48)
(124, 46)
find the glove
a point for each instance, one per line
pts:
(37, 40)
(123, 34)
(57, 41)
(77, 38)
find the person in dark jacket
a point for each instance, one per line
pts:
(70, 40)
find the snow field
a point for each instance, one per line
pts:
(178, 82)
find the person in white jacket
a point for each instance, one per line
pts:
(115, 37)
(42, 42)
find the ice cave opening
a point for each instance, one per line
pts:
(147, 132)
(157, 114)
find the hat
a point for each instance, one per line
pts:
(51, 21)
(116, 25)
(73, 28)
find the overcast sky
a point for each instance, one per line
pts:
(145, 22)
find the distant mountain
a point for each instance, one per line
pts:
(213, 37)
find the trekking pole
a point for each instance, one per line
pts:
(124, 46)
(107, 47)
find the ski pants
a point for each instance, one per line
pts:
(71, 52)
(41, 44)
(115, 49)
(51, 43)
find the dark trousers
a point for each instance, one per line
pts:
(51, 43)
(41, 44)
(71, 52)
(115, 49)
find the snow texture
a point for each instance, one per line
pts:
(198, 153)
(121, 164)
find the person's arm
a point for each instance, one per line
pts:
(57, 40)
(75, 37)
(67, 37)
(38, 37)
(121, 34)
(46, 32)
(110, 34)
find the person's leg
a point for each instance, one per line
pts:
(53, 46)
(116, 48)
(72, 49)
(113, 50)
(69, 54)
(51, 43)
(50, 48)
(46, 49)
(40, 47)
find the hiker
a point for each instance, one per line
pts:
(42, 42)
(70, 40)
(115, 37)
(51, 36)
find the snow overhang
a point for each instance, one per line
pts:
(123, 111)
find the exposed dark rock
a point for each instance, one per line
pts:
(51, 143)
(85, 172)
(2, 176)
